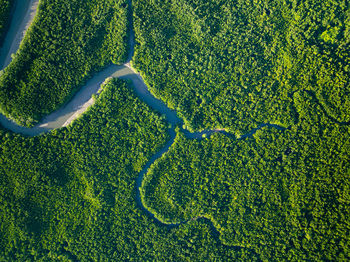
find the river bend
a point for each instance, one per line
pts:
(22, 17)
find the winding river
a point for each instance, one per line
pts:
(22, 17)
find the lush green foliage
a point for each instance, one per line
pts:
(234, 64)
(5, 8)
(284, 194)
(67, 42)
(279, 195)
(71, 194)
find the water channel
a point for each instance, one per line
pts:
(22, 17)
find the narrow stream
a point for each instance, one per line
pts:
(83, 98)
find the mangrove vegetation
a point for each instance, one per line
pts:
(67, 42)
(267, 83)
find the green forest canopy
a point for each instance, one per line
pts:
(67, 42)
(235, 64)
(281, 195)
(284, 194)
(70, 194)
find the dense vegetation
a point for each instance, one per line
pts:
(280, 195)
(284, 194)
(5, 8)
(67, 42)
(71, 194)
(234, 64)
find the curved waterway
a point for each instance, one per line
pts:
(83, 98)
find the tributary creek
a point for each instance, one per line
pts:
(22, 16)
